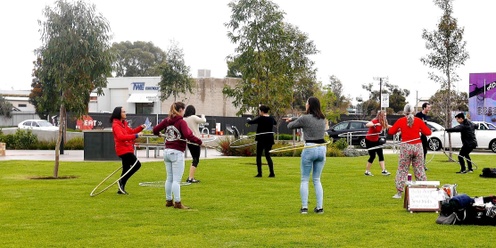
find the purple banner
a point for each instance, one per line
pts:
(482, 97)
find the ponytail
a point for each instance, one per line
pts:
(175, 108)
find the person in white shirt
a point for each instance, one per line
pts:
(193, 122)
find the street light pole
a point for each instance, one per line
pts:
(380, 89)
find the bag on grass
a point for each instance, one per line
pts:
(488, 172)
(454, 211)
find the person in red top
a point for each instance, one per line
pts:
(177, 134)
(372, 143)
(124, 137)
(411, 151)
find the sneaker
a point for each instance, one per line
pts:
(258, 175)
(385, 173)
(304, 211)
(397, 195)
(425, 168)
(121, 190)
(318, 210)
(272, 175)
(470, 171)
(461, 172)
(192, 180)
(368, 173)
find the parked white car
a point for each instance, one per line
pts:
(37, 125)
(485, 133)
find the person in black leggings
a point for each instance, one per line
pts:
(124, 137)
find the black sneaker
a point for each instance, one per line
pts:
(318, 210)
(192, 180)
(461, 172)
(304, 211)
(425, 168)
(122, 192)
(258, 175)
(272, 175)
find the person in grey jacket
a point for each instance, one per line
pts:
(469, 142)
(313, 159)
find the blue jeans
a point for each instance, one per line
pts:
(174, 166)
(312, 160)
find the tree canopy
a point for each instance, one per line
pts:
(74, 59)
(397, 98)
(5, 107)
(459, 102)
(139, 58)
(175, 75)
(446, 51)
(271, 58)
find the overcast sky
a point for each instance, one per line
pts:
(358, 40)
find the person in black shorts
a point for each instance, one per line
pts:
(426, 107)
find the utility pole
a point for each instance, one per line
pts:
(380, 89)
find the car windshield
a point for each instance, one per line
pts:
(490, 126)
(436, 126)
(44, 124)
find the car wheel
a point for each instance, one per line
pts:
(492, 145)
(434, 144)
(362, 143)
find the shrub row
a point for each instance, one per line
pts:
(26, 140)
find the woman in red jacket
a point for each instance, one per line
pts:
(124, 137)
(411, 150)
(176, 135)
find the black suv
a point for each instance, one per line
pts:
(356, 128)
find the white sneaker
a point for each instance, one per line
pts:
(397, 195)
(368, 173)
(385, 173)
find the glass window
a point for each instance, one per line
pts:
(341, 126)
(144, 108)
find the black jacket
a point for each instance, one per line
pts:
(467, 133)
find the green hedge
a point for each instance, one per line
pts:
(26, 140)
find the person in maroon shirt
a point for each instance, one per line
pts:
(177, 134)
(124, 138)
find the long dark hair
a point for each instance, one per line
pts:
(314, 108)
(116, 114)
(189, 111)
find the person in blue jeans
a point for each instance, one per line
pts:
(177, 134)
(313, 123)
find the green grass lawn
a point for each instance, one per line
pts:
(230, 207)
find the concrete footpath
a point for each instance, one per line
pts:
(78, 155)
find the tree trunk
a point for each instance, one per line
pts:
(59, 140)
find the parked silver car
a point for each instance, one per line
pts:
(37, 125)
(485, 133)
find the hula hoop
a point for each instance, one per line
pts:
(474, 165)
(246, 137)
(192, 143)
(159, 184)
(291, 148)
(112, 184)
(358, 133)
(382, 146)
